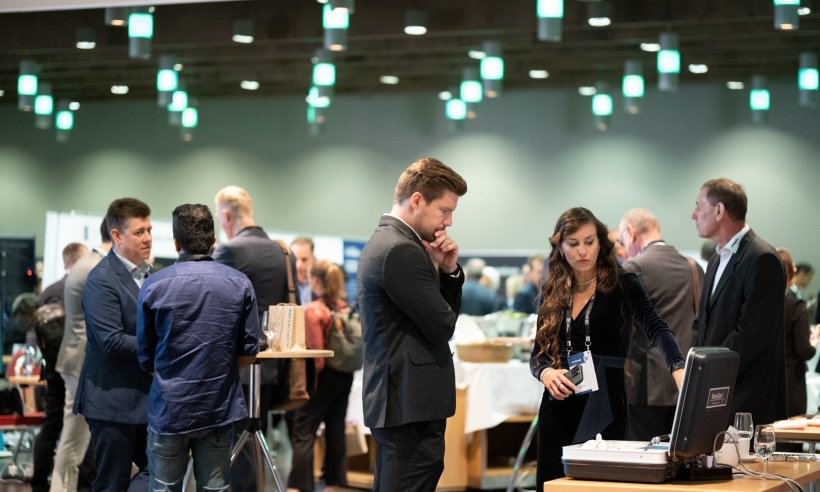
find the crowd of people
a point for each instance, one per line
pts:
(146, 367)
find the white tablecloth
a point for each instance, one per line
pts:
(495, 392)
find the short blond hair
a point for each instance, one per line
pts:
(642, 220)
(236, 200)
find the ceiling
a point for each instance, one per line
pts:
(734, 38)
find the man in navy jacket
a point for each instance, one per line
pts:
(113, 390)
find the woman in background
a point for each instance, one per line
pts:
(329, 403)
(800, 346)
(588, 303)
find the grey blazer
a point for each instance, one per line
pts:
(668, 280)
(409, 311)
(745, 314)
(253, 253)
(72, 349)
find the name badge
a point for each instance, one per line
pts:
(590, 381)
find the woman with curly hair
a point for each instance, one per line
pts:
(588, 303)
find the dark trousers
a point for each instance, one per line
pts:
(328, 405)
(116, 446)
(243, 470)
(648, 422)
(409, 457)
(46, 442)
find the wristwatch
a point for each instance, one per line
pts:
(678, 364)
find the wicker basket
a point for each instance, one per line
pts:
(484, 352)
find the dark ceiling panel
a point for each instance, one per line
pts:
(735, 39)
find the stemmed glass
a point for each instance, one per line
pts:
(269, 334)
(745, 428)
(764, 443)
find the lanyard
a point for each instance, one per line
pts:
(587, 341)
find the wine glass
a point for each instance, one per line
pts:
(764, 443)
(745, 427)
(266, 330)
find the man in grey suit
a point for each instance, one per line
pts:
(673, 283)
(741, 306)
(112, 392)
(75, 436)
(409, 284)
(253, 253)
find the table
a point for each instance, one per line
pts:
(26, 385)
(809, 434)
(27, 424)
(802, 472)
(253, 410)
(490, 397)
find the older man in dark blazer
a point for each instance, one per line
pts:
(112, 392)
(409, 284)
(253, 253)
(741, 306)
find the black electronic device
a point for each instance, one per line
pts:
(575, 375)
(701, 413)
(703, 405)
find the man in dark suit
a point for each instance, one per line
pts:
(253, 253)
(113, 390)
(409, 284)
(741, 306)
(673, 283)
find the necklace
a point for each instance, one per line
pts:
(582, 284)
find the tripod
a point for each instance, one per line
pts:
(254, 431)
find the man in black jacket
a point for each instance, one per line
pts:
(409, 284)
(253, 253)
(741, 306)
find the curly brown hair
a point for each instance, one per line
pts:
(556, 286)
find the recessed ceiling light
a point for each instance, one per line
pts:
(86, 45)
(599, 21)
(119, 89)
(415, 30)
(242, 38)
(804, 10)
(445, 95)
(73, 105)
(249, 85)
(178, 67)
(476, 54)
(698, 68)
(539, 74)
(389, 79)
(587, 90)
(151, 10)
(2, 93)
(735, 85)
(651, 47)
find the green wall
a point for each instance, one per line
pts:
(528, 156)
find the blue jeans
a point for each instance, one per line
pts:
(210, 449)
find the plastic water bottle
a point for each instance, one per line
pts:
(29, 360)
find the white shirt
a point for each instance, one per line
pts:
(138, 272)
(726, 253)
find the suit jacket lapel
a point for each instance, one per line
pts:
(730, 267)
(124, 275)
(404, 229)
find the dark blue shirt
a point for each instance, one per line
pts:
(194, 318)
